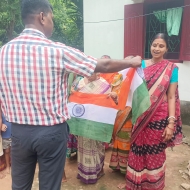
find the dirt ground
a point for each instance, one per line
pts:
(177, 159)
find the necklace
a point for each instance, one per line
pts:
(152, 61)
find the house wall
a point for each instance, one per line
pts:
(108, 38)
(184, 91)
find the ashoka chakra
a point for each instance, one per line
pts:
(78, 110)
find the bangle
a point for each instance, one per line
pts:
(171, 117)
(170, 128)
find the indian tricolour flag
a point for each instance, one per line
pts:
(138, 97)
(93, 115)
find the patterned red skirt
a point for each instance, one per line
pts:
(146, 162)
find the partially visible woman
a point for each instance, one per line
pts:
(122, 127)
(91, 153)
(160, 126)
(109, 77)
(121, 133)
(72, 140)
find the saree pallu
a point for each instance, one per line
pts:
(146, 163)
(91, 155)
(121, 141)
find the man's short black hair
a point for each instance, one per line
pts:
(29, 7)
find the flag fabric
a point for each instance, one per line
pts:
(138, 97)
(93, 115)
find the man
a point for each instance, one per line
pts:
(33, 95)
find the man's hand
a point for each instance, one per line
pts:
(136, 61)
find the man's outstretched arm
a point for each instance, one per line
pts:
(112, 65)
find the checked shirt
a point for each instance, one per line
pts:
(33, 78)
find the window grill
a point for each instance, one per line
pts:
(154, 26)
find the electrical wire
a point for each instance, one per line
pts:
(95, 22)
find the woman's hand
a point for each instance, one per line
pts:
(168, 132)
(113, 95)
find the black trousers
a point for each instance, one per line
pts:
(43, 144)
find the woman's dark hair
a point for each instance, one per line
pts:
(30, 7)
(163, 37)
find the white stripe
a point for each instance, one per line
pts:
(124, 72)
(154, 172)
(95, 113)
(136, 82)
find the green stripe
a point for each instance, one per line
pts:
(90, 129)
(124, 135)
(141, 101)
(120, 150)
